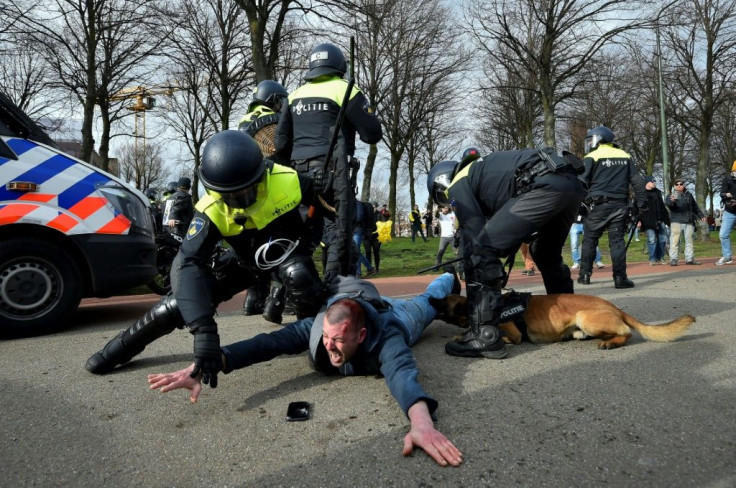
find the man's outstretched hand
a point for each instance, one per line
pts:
(178, 379)
(423, 434)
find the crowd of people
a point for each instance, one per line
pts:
(283, 185)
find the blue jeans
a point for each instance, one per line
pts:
(362, 260)
(727, 221)
(657, 242)
(576, 232)
(417, 313)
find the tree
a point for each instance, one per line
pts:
(702, 38)
(94, 47)
(549, 41)
(142, 169)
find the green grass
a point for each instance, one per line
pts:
(401, 257)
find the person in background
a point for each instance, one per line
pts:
(654, 221)
(528, 261)
(576, 240)
(448, 225)
(363, 224)
(428, 222)
(371, 243)
(415, 218)
(684, 213)
(727, 218)
(179, 208)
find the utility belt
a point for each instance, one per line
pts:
(600, 199)
(315, 165)
(549, 162)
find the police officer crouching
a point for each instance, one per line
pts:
(254, 205)
(502, 200)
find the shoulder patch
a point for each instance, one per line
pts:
(367, 108)
(195, 227)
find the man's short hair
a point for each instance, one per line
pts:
(346, 309)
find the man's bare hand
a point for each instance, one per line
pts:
(176, 380)
(423, 435)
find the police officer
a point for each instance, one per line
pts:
(156, 210)
(304, 133)
(254, 205)
(269, 97)
(608, 174)
(179, 209)
(502, 200)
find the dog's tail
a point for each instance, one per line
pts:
(661, 333)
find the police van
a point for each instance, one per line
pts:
(68, 230)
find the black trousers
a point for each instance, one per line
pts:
(542, 217)
(612, 215)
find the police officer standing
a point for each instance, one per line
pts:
(608, 174)
(254, 205)
(304, 134)
(502, 200)
(264, 111)
(179, 209)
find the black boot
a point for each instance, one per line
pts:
(253, 303)
(456, 285)
(583, 279)
(275, 303)
(621, 281)
(163, 318)
(484, 338)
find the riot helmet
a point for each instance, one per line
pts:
(184, 183)
(439, 180)
(172, 186)
(151, 194)
(469, 155)
(596, 136)
(326, 59)
(269, 93)
(232, 165)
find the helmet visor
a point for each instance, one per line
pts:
(243, 198)
(441, 184)
(591, 142)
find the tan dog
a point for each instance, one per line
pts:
(555, 318)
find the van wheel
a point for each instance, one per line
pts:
(40, 286)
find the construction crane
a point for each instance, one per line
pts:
(143, 100)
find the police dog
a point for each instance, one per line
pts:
(555, 318)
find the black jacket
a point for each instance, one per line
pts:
(729, 186)
(654, 211)
(684, 210)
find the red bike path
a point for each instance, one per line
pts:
(412, 285)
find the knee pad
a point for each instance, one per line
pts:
(303, 287)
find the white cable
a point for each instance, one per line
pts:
(260, 255)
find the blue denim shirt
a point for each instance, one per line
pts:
(385, 350)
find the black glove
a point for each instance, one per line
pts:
(207, 355)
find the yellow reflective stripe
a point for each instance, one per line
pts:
(607, 151)
(332, 89)
(257, 112)
(278, 193)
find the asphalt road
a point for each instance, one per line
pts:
(560, 415)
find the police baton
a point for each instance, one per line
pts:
(437, 266)
(631, 235)
(343, 193)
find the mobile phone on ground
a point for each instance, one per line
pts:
(297, 411)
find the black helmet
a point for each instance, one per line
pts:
(151, 194)
(439, 180)
(269, 93)
(326, 59)
(596, 136)
(184, 183)
(469, 155)
(172, 186)
(232, 165)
